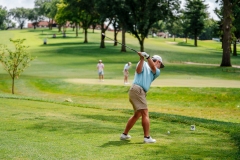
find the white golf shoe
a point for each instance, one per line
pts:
(149, 140)
(125, 137)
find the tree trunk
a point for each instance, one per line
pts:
(49, 25)
(102, 45)
(235, 48)
(85, 36)
(76, 29)
(186, 38)
(59, 28)
(13, 85)
(195, 40)
(141, 45)
(123, 48)
(227, 36)
(93, 28)
(115, 37)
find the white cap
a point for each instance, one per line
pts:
(157, 57)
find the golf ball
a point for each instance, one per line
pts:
(168, 132)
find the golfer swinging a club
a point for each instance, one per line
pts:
(146, 73)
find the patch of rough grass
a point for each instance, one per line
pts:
(42, 130)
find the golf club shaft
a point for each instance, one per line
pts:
(120, 43)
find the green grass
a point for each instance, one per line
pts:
(37, 123)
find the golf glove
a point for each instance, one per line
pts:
(144, 54)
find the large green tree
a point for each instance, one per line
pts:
(106, 14)
(9, 22)
(176, 28)
(88, 15)
(143, 14)
(47, 8)
(172, 21)
(72, 13)
(195, 14)
(78, 12)
(53, 10)
(227, 29)
(20, 15)
(227, 33)
(120, 13)
(3, 17)
(35, 17)
(210, 27)
(64, 14)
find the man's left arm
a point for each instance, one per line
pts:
(150, 61)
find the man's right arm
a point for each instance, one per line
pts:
(140, 64)
(151, 65)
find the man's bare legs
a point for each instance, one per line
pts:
(145, 122)
(125, 79)
(135, 117)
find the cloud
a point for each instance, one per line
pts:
(17, 3)
(211, 6)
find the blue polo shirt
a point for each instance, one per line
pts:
(146, 77)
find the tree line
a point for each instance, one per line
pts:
(139, 18)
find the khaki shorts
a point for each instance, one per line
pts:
(125, 73)
(137, 97)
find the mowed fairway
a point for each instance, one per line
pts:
(39, 122)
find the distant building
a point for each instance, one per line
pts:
(161, 34)
(42, 24)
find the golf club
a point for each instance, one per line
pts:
(103, 36)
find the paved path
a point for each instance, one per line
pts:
(188, 82)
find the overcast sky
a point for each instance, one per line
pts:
(17, 3)
(30, 4)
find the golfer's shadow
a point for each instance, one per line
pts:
(118, 143)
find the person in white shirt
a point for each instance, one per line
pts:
(125, 72)
(100, 67)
